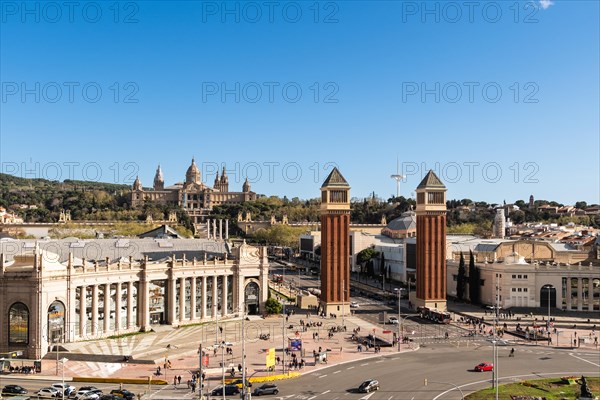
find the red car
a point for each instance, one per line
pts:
(484, 367)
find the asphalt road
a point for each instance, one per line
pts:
(402, 376)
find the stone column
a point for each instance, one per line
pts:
(94, 310)
(214, 230)
(143, 304)
(579, 294)
(214, 294)
(208, 228)
(130, 305)
(181, 299)
(224, 303)
(568, 293)
(171, 299)
(221, 229)
(227, 229)
(203, 305)
(82, 311)
(106, 308)
(193, 298)
(118, 307)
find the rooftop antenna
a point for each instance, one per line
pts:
(397, 177)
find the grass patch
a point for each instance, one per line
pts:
(551, 389)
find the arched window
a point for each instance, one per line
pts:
(18, 324)
(56, 322)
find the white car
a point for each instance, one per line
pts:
(353, 304)
(393, 320)
(48, 392)
(66, 388)
(88, 394)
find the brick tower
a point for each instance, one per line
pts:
(335, 244)
(431, 243)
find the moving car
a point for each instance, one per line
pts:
(368, 386)
(353, 304)
(48, 392)
(229, 390)
(393, 320)
(484, 367)
(267, 388)
(14, 389)
(126, 394)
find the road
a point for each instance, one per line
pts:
(402, 375)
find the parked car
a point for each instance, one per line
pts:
(368, 386)
(110, 397)
(393, 320)
(88, 394)
(353, 304)
(64, 388)
(48, 392)
(267, 388)
(484, 366)
(126, 394)
(229, 390)
(14, 389)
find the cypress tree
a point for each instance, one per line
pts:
(461, 278)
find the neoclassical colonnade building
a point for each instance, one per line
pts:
(56, 291)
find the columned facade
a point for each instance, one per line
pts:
(85, 300)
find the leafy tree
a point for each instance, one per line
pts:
(272, 306)
(461, 278)
(581, 204)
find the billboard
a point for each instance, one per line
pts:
(270, 357)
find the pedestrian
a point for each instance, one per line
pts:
(175, 381)
(179, 379)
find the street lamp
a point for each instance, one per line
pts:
(399, 317)
(549, 289)
(1, 372)
(63, 362)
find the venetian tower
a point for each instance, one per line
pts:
(431, 243)
(335, 244)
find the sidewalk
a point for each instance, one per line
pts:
(183, 349)
(570, 326)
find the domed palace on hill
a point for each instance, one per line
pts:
(193, 195)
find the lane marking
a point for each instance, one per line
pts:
(337, 372)
(349, 367)
(583, 359)
(325, 392)
(322, 376)
(362, 365)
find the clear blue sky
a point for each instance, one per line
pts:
(379, 81)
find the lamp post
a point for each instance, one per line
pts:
(1, 372)
(399, 318)
(63, 362)
(549, 289)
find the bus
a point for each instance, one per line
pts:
(434, 315)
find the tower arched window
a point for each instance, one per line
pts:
(18, 324)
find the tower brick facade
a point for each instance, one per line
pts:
(335, 244)
(431, 243)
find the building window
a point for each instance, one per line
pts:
(454, 277)
(524, 276)
(519, 290)
(514, 289)
(514, 277)
(519, 276)
(482, 282)
(524, 289)
(18, 324)
(56, 322)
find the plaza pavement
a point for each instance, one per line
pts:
(180, 345)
